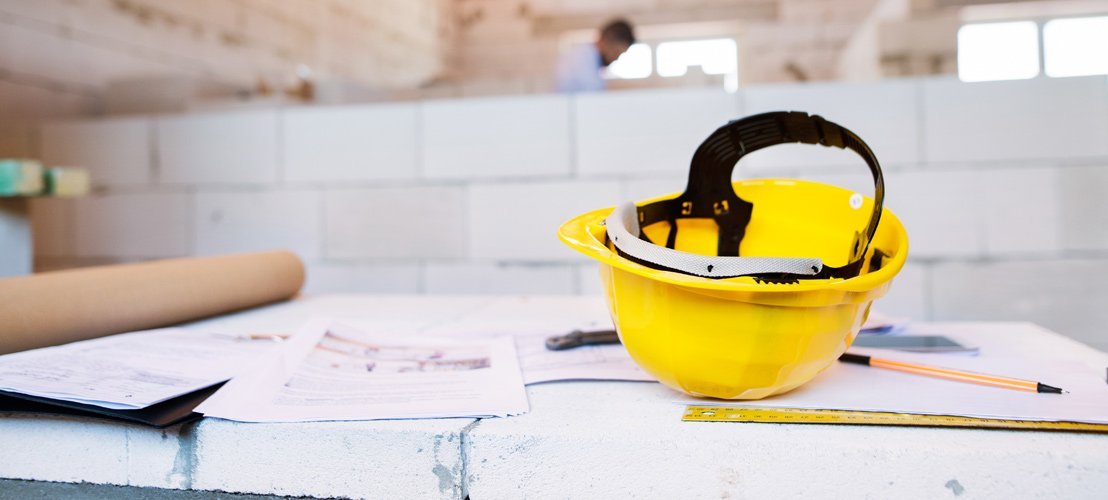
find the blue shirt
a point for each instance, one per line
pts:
(579, 70)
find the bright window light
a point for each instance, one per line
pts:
(997, 51)
(635, 63)
(1075, 47)
(718, 56)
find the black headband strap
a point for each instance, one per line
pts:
(709, 193)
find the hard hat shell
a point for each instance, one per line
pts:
(741, 337)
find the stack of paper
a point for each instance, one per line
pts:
(531, 323)
(333, 371)
(129, 371)
(598, 362)
(329, 370)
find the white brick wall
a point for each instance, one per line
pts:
(225, 148)
(1001, 186)
(362, 143)
(116, 151)
(1022, 209)
(245, 221)
(942, 211)
(496, 137)
(519, 221)
(1055, 118)
(52, 227)
(639, 189)
(908, 295)
(395, 277)
(395, 223)
(646, 132)
(1084, 215)
(500, 278)
(885, 115)
(1066, 294)
(132, 226)
(588, 279)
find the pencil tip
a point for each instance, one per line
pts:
(1049, 389)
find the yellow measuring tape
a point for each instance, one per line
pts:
(694, 413)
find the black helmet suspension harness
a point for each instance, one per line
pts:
(710, 195)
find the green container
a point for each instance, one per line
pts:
(20, 177)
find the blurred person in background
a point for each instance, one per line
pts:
(579, 69)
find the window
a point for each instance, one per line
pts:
(714, 56)
(1076, 47)
(1010, 51)
(718, 56)
(635, 63)
(998, 51)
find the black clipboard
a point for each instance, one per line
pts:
(169, 412)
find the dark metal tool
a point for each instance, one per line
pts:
(578, 338)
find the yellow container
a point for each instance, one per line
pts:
(738, 338)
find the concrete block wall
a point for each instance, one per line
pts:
(1001, 185)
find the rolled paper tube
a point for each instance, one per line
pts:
(64, 306)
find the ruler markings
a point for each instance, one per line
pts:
(698, 413)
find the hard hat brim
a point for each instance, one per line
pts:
(586, 234)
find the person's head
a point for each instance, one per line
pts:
(615, 38)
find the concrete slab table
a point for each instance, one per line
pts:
(580, 440)
(626, 440)
(381, 459)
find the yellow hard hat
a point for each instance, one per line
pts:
(742, 290)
